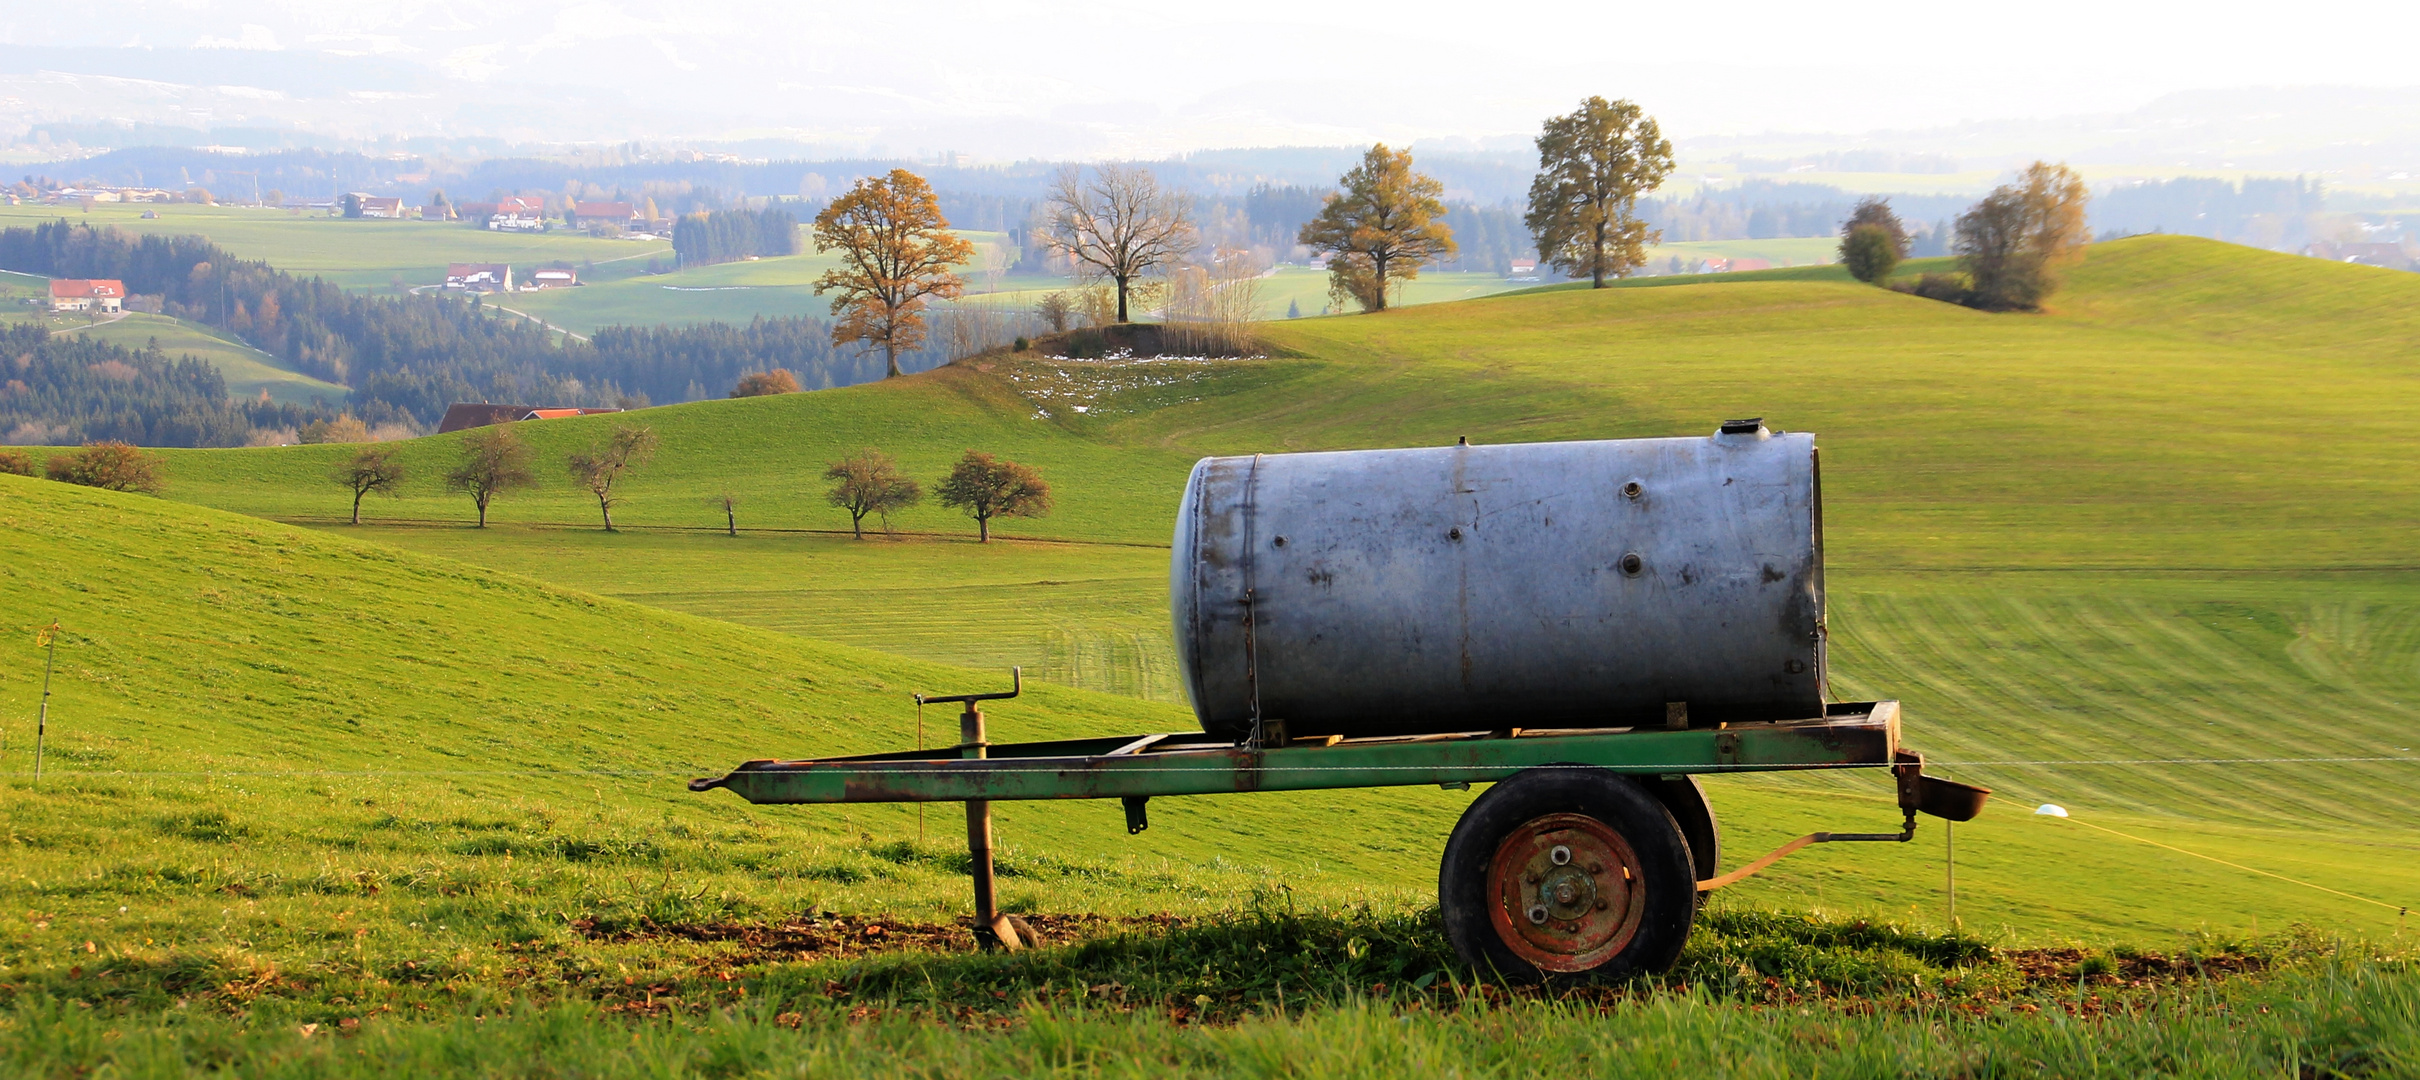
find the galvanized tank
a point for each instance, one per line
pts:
(1472, 588)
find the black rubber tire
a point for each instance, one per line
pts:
(1694, 813)
(1668, 886)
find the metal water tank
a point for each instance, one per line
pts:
(1474, 588)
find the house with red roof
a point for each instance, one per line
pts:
(464, 415)
(517, 214)
(87, 294)
(479, 277)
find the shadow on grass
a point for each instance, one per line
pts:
(1269, 959)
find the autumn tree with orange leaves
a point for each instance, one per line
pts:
(1379, 229)
(896, 253)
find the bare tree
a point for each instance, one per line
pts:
(1211, 308)
(373, 470)
(1121, 226)
(601, 466)
(870, 483)
(730, 504)
(987, 487)
(1055, 309)
(996, 261)
(494, 461)
(979, 325)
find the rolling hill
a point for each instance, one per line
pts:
(2113, 532)
(249, 372)
(2147, 557)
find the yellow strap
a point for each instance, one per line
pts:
(1711, 884)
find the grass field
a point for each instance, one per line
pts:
(357, 254)
(2112, 598)
(2169, 520)
(303, 782)
(728, 292)
(1780, 251)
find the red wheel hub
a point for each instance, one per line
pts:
(1565, 892)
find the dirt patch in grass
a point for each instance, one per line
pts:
(840, 937)
(2072, 966)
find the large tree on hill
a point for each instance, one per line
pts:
(987, 487)
(1379, 228)
(372, 471)
(1594, 164)
(896, 252)
(870, 483)
(601, 466)
(1121, 226)
(2014, 243)
(494, 461)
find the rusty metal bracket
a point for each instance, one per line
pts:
(1918, 793)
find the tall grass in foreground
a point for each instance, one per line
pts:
(2335, 1020)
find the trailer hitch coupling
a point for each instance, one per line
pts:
(1948, 800)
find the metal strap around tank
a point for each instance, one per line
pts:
(1251, 553)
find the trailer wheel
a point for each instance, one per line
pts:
(1567, 870)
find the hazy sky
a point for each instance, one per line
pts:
(1135, 78)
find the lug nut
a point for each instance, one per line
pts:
(1537, 915)
(1602, 903)
(1560, 855)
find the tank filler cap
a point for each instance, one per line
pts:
(1752, 428)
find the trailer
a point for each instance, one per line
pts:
(1588, 628)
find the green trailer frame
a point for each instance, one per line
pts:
(1135, 769)
(1848, 736)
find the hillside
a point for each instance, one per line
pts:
(249, 372)
(1937, 421)
(2083, 536)
(326, 705)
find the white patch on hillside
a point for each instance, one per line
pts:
(1056, 384)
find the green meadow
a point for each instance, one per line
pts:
(2147, 555)
(355, 253)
